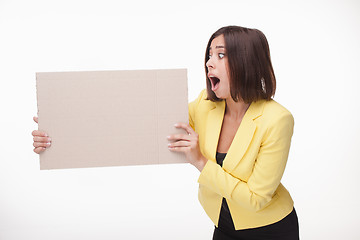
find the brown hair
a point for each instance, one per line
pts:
(250, 70)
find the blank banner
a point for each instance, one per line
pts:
(110, 118)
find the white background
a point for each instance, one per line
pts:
(315, 52)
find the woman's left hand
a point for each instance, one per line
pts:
(188, 144)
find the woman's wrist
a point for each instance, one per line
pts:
(201, 163)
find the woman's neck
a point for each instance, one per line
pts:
(235, 110)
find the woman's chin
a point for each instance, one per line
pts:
(219, 95)
(222, 95)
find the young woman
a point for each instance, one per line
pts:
(239, 139)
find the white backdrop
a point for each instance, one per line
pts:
(315, 52)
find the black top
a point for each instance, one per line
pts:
(225, 219)
(220, 158)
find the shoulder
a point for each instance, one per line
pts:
(200, 108)
(201, 102)
(202, 96)
(273, 113)
(273, 108)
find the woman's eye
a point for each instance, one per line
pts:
(221, 55)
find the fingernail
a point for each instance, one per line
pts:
(49, 139)
(48, 143)
(46, 135)
(176, 125)
(168, 137)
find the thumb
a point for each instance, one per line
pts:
(36, 119)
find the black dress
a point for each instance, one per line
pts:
(285, 229)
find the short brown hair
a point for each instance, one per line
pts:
(250, 70)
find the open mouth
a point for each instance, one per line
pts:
(214, 82)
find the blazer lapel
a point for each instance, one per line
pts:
(243, 136)
(213, 128)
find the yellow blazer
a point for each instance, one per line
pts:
(254, 164)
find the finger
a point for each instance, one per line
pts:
(36, 119)
(186, 127)
(39, 133)
(41, 144)
(39, 150)
(178, 149)
(42, 139)
(179, 144)
(179, 137)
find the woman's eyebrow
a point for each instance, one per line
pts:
(220, 46)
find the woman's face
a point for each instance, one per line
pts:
(217, 66)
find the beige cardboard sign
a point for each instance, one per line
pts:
(110, 118)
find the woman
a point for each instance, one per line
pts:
(238, 138)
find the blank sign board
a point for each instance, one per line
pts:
(110, 118)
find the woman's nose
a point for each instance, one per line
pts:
(209, 63)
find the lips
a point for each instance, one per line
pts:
(214, 82)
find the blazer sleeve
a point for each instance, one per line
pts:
(268, 169)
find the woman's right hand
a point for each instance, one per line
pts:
(41, 139)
